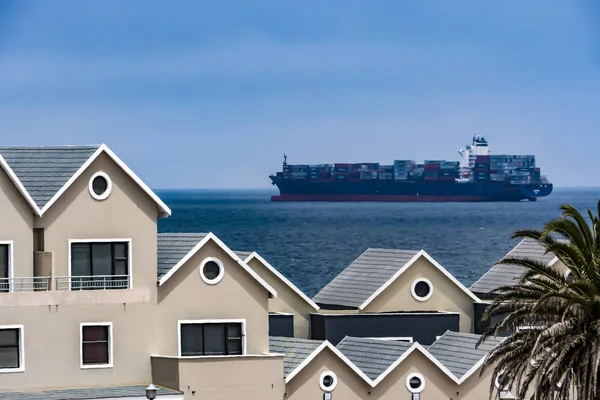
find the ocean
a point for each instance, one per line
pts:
(310, 243)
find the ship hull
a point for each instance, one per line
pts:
(406, 191)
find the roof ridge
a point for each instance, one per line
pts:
(183, 233)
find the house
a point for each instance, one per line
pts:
(96, 304)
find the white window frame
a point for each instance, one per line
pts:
(414, 285)
(241, 321)
(406, 339)
(420, 388)
(109, 186)
(328, 389)
(21, 368)
(221, 270)
(110, 346)
(129, 242)
(11, 264)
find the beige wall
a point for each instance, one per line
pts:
(287, 301)
(185, 296)
(127, 213)
(305, 385)
(446, 295)
(16, 225)
(248, 378)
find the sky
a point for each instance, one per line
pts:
(197, 94)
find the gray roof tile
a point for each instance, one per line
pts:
(44, 170)
(87, 393)
(361, 279)
(457, 352)
(242, 254)
(172, 247)
(296, 350)
(509, 274)
(372, 356)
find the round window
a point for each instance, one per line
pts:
(211, 270)
(422, 289)
(100, 186)
(415, 383)
(328, 381)
(501, 381)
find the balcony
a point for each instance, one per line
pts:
(25, 284)
(93, 282)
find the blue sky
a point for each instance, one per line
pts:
(211, 94)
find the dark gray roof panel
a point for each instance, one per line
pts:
(44, 170)
(372, 356)
(510, 274)
(361, 279)
(172, 247)
(87, 393)
(457, 352)
(296, 350)
(242, 254)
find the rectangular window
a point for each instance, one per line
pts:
(11, 349)
(96, 346)
(211, 339)
(100, 265)
(4, 267)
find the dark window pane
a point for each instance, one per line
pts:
(99, 184)
(120, 267)
(95, 353)
(4, 251)
(327, 381)
(234, 330)
(9, 357)
(9, 337)
(94, 333)
(102, 259)
(422, 289)
(211, 270)
(235, 346)
(214, 339)
(80, 259)
(120, 250)
(191, 340)
(415, 382)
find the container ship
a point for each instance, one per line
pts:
(479, 176)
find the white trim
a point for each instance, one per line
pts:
(391, 338)
(334, 382)
(108, 190)
(420, 388)
(211, 236)
(327, 345)
(129, 242)
(110, 346)
(241, 321)
(11, 263)
(388, 313)
(264, 355)
(13, 177)
(414, 293)
(104, 149)
(282, 278)
(21, 368)
(218, 278)
(420, 254)
(437, 338)
(161, 397)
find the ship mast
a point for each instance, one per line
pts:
(284, 159)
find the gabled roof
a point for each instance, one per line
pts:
(458, 352)
(43, 173)
(138, 391)
(509, 274)
(372, 356)
(279, 275)
(170, 249)
(242, 254)
(370, 274)
(296, 350)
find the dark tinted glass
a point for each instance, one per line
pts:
(211, 270)
(3, 261)
(99, 184)
(95, 345)
(214, 339)
(415, 382)
(422, 289)
(192, 340)
(327, 380)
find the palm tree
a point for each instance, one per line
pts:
(558, 357)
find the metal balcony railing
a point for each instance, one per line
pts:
(25, 284)
(92, 282)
